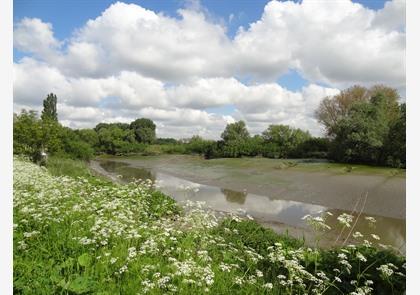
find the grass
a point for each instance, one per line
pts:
(81, 235)
(74, 168)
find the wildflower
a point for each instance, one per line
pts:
(123, 269)
(337, 279)
(342, 256)
(268, 286)
(113, 260)
(22, 245)
(317, 223)
(367, 243)
(386, 270)
(376, 237)
(361, 257)
(370, 219)
(357, 235)
(238, 281)
(345, 219)
(224, 267)
(259, 273)
(322, 275)
(30, 234)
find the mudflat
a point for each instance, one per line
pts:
(335, 186)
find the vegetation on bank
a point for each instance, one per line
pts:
(82, 235)
(363, 125)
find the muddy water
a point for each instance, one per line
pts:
(278, 214)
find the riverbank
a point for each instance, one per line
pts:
(324, 184)
(83, 235)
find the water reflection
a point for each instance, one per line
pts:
(268, 210)
(234, 196)
(126, 172)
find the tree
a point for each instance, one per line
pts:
(395, 153)
(360, 136)
(89, 136)
(144, 130)
(283, 139)
(31, 135)
(362, 124)
(26, 134)
(50, 108)
(235, 131)
(332, 109)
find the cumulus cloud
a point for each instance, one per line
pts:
(35, 36)
(339, 43)
(131, 62)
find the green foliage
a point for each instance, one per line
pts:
(198, 145)
(166, 141)
(363, 123)
(26, 134)
(235, 132)
(65, 166)
(115, 140)
(50, 108)
(90, 136)
(283, 140)
(315, 147)
(360, 136)
(395, 142)
(251, 234)
(329, 260)
(144, 129)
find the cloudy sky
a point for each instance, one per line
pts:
(194, 66)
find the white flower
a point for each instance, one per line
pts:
(370, 219)
(376, 237)
(337, 279)
(385, 270)
(268, 286)
(357, 235)
(345, 219)
(361, 257)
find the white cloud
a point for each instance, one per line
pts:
(339, 43)
(131, 62)
(33, 35)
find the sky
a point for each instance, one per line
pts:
(195, 66)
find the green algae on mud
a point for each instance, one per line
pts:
(310, 165)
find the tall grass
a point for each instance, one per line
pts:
(59, 166)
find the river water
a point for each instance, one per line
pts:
(278, 214)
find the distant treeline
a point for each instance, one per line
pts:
(362, 126)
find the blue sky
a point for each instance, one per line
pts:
(275, 71)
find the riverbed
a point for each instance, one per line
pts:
(278, 193)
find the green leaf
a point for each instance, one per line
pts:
(84, 259)
(68, 263)
(81, 285)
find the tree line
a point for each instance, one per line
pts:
(363, 125)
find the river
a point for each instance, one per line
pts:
(276, 198)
